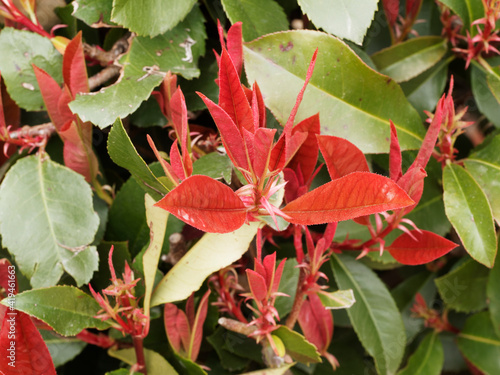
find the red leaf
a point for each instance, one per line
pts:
(412, 8)
(180, 121)
(10, 114)
(206, 204)
(232, 98)
(51, 92)
(292, 185)
(8, 280)
(176, 327)
(163, 97)
(391, 9)
(258, 107)
(235, 45)
(197, 327)
(176, 161)
(419, 247)
(316, 322)
(277, 276)
(229, 132)
(25, 352)
(263, 141)
(307, 155)
(74, 69)
(413, 183)
(357, 194)
(257, 285)
(63, 106)
(341, 156)
(395, 158)
(284, 150)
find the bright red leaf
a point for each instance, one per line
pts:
(341, 156)
(206, 204)
(74, 69)
(357, 194)
(51, 92)
(24, 352)
(257, 284)
(391, 9)
(419, 247)
(307, 155)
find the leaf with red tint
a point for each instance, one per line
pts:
(307, 155)
(63, 105)
(341, 156)
(419, 247)
(74, 69)
(263, 141)
(257, 285)
(176, 161)
(9, 110)
(292, 185)
(163, 97)
(413, 183)
(258, 107)
(391, 9)
(167, 168)
(51, 92)
(357, 194)
(7, 276)
(395, 158)
(277, 276)
(77, 152)
(412, 8)
(284, 150)
(176, 327)
(197, 327)
(206, 204)
(235, 45)
(30, 355)
(180, 121)
(232, 98)
(229, 132)
(316, 322)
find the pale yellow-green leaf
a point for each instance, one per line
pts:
(155, 363)
(341, 299)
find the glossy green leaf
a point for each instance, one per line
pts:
(341, 299)
(424, 91)
(220, 341)
(493, 80)
(272, 371)
(150, 17)
(484, 167)
(93, 12)
(169, 51)
(428, 359)
(214, 165)
(155, 363)
(343, 18)
(62, 349)
(493, 295)
(121, 255)
(486, 102)
(157, 222)
(297, 346)
(211, 253)
(464, 288)
(479, 343)
(259, 17)
(469, 212)
(66, 309)
(374, 316)
(407, 60)
(354, 102)
(54, 221)
(24, 48)
(467, 10)
(122, 152)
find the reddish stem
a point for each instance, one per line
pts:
(298, 301)
(139, 353)
(101, 340)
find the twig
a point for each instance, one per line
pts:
(103, 76)
(42, 130)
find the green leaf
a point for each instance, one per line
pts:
(157, 222)
(271, 371)
(168, 51)
(407, 60)
(121, 255)
(467, 10)
(464, 288)
(47, 221)
(93, 12)
(62, 349)
(481, 89)
(288, 285)
(211, 253)
(122, 152)
(354, 101)
(424, 91)
(259, 17)
(341, 299)
(479, 343)
(493, 294)
(428, 359)
(219, 341)
(343, 18)
(374, 317)
(24, 48)
(66, 309)
(484, 167)
(155, 363)
(214, 165)
(150, 17)
(297, 346)
(469, 212)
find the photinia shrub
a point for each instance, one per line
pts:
(285, 187)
